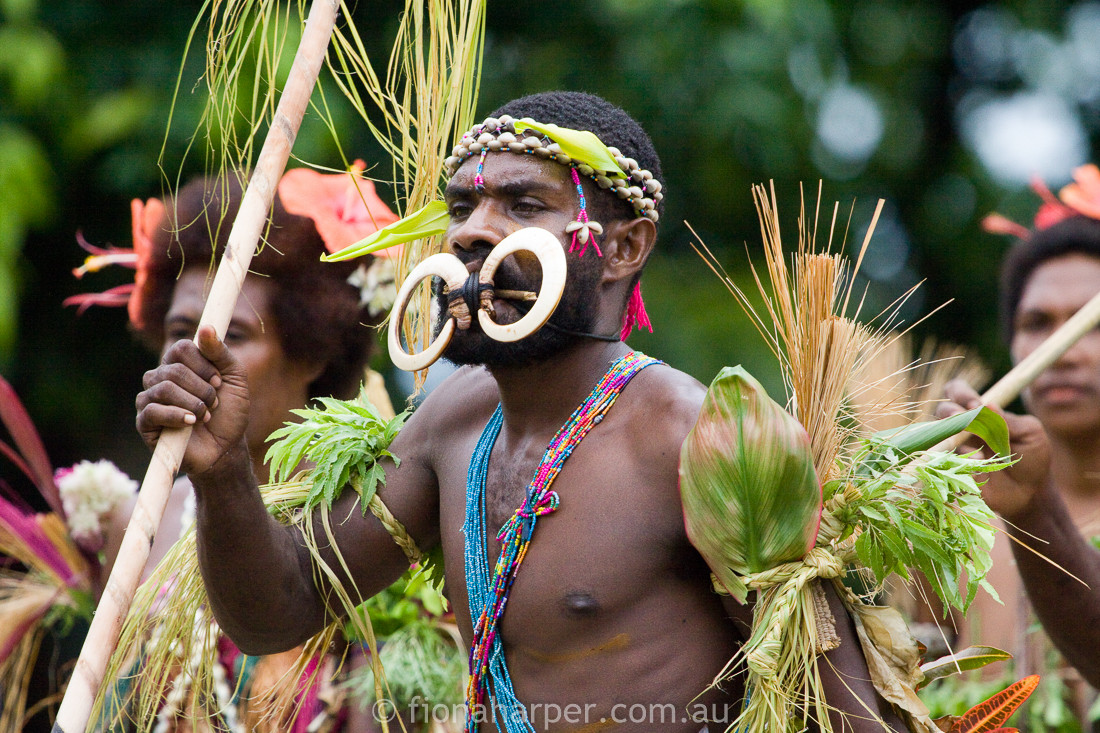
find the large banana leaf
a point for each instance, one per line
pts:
(751, 497)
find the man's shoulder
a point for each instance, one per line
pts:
(666, 398)
(469, 393)
(672, 389)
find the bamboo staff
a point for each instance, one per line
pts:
(76, 707)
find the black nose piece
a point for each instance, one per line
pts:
(471, 291)
(464, 302)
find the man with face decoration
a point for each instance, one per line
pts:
(602, 619)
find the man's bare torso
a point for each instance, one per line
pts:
(611, 623)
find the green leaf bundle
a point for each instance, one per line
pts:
(345, 440)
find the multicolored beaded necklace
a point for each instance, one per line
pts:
(489, 597)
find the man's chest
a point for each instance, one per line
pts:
(617, 524)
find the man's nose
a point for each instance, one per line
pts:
(481, 229)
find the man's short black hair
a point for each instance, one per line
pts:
(611, 124)
(1075, 235)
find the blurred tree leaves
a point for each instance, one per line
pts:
(863, 94)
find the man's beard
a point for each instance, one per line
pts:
(575, 312)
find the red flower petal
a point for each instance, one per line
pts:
(144, 219)
(998, 224)
(344, 207)
(1083, 195)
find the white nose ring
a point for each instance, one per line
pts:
(541, 243)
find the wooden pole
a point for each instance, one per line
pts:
(76, 707)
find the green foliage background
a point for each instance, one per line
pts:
(730, 90)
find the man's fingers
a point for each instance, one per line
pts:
(188, 354)
(183, 391)
(962, 394)
(154, 418)
(947, 409)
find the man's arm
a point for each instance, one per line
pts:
(258, 572)
(1069, 609)
(1039, 524)
(847, 681)
(855, 706)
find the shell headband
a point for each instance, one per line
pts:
(609, 168)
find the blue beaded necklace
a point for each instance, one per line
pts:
(489, 596)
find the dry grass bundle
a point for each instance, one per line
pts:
(897, 388)
(890, 502)
(806, 324)
(168, 646)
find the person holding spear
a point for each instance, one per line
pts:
(300, 329)
(1050, 500)
(611, 619)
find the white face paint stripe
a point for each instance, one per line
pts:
(539, 242)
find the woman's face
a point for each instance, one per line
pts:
(276, 384)
(1066, 396)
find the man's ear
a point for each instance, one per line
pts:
(627, 247)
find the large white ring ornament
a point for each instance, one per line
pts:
(539, 242)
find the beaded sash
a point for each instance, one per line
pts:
(488, 597)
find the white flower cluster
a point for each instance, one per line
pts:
(89, 492)
(377, 285)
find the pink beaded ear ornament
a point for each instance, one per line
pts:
(586, 156)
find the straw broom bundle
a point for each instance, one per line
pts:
(866, 498)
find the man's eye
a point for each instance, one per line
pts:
(458, 210)
(528, 206)
(1029, 325)
(235, 337)
(179, 334)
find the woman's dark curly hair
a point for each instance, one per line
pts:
(316, 312)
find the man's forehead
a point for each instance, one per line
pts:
(511, 168)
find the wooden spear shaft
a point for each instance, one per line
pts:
(76, 707)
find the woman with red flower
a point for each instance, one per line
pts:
(300, 327)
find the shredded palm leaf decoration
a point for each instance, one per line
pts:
(423, 100)
(780, 500)
(427, 99)
(46, 580)
(344, 441)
